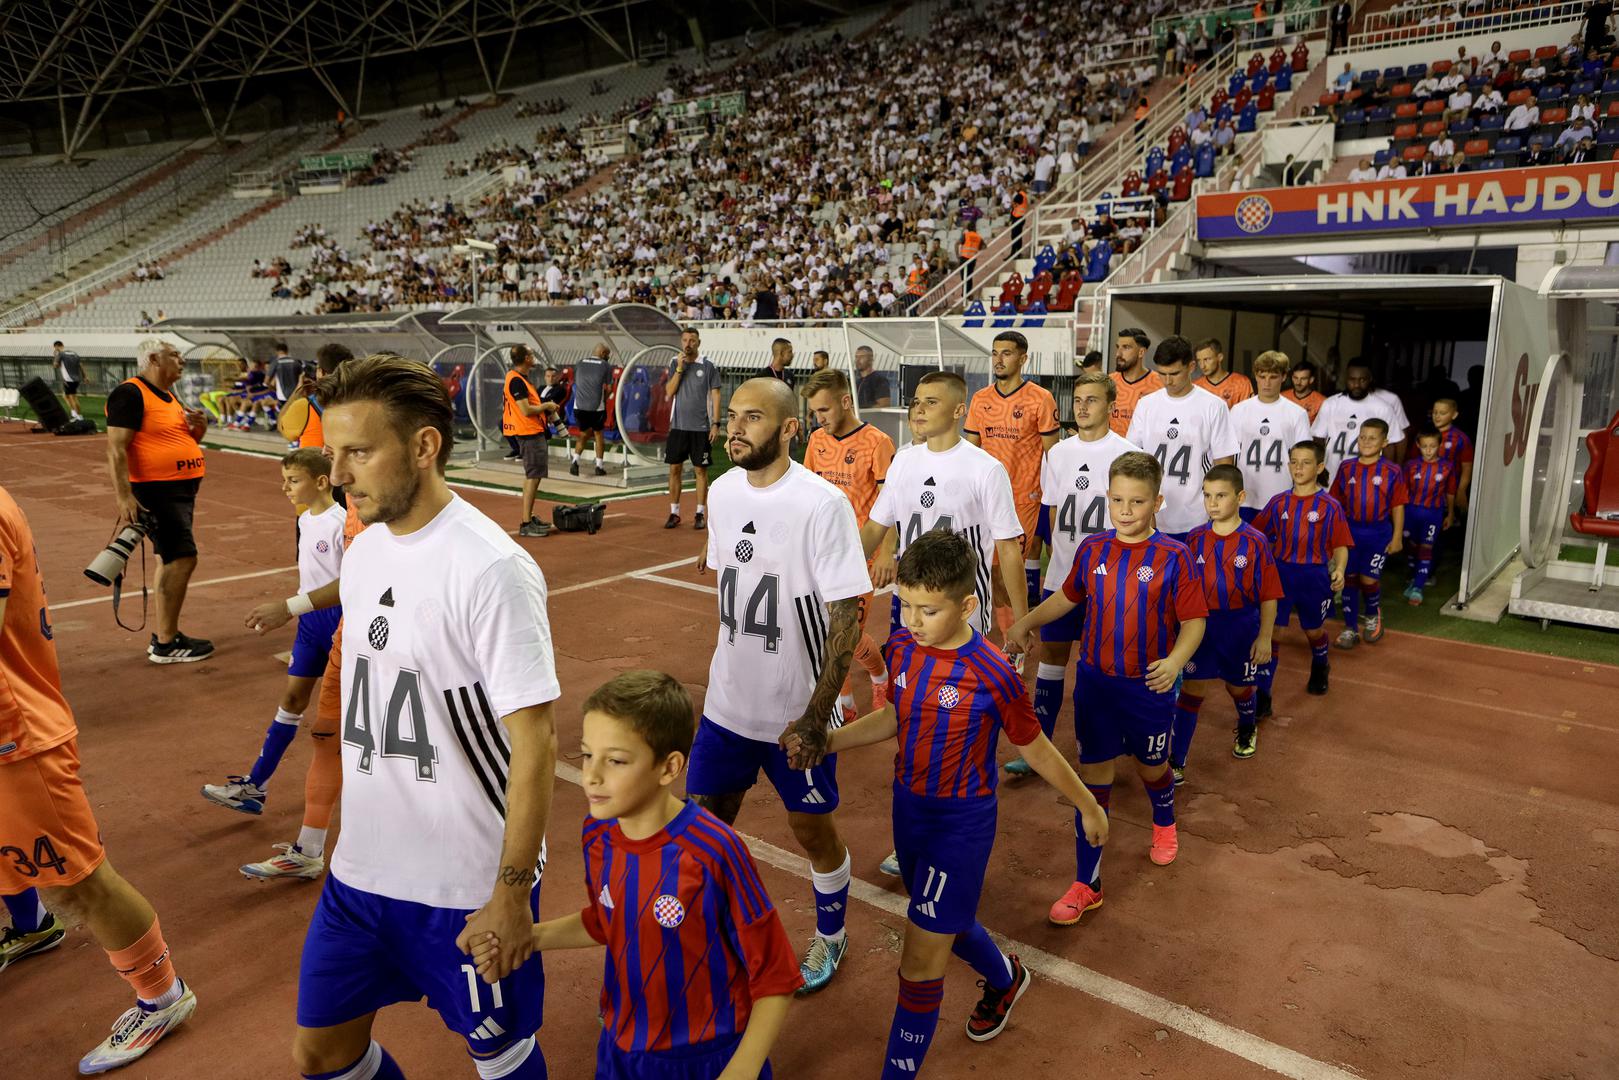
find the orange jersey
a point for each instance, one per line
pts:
(1310, 403)
(857, 463)
(1124, 405)
(34, 716)
(352, 526)
(1010, 428)
(1231, 389)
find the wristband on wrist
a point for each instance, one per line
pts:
(299, 605)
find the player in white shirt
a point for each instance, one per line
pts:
(786, 550)
(1188, 430)
(448, 747)
(306, 481)
(949, 483)
(1073, 495)
(1267, 427)
(1342, 414)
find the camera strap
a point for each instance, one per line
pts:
(118, 594)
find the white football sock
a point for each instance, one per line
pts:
(311, 842)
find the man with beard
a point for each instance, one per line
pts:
(447, 732)
(1131, 377)
(791, 574)
(1015, 421)
(1301, 389)
(1342, 415)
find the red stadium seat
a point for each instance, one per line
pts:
(1040, 289)
(1613, 108)
(1518, 56)
(1132, 187)
(1401, 90)
(1256, 64)
(1518, 97)
(1177, 139)
(1240, 102)
(1433, 106)
(1301, 58)
(1595, 516)
(1266, 99)
(1352, 95)
(1277, 59)
(1011, 290)
(1414, 152)
(1159, 181)
(1327, 100)
(1181, 189)
(1545, 52)
(1405, 109)
(1439, 67)
(1475, 147)
(1068, 290)
(1220, 97)
(1433, 128)
(1405, 131)
(1553, 116)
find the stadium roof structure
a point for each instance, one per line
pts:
(83, 53)
(411, 333)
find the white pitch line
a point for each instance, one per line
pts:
(107, 599)
(1188, 1021)
(622, 577)
(695, 586)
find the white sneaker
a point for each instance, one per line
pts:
(292, 863)
(237, 794)
(136, 1032)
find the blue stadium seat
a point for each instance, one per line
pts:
(1235, 83)
(1181, 160)
(1463, 126)
(1257, 83)
(1491, 122)
(1508, 144)
(1413, 72)
(1392, 73)
(1354, 116)
(1005, 316)
(1549, 93)
(1369, 76)
(1592, 68)
(1045, 260)
(1608, 137)
(1222, 114)
(1035, 314)
(1543, 139)
(1381, 157)
(1248, 119)
(1610, 85)
(1284, 79)
(1476, 83)
(1584, 86)
(974, 315)
(1493, 163)
(1155, 162)
(1203, 160)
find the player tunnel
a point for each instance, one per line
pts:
(1485, 341)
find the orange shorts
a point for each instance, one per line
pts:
(1028, 515)
(329, 708)
(48, 834)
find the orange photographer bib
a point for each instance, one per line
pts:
(162, 448)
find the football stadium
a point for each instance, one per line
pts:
(812, 481)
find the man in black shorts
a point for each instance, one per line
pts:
(157, 467)
(71, 368)
(523, 415)
(590, 377)
(693, 390)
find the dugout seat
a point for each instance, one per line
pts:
(1068, 290)
(1300, 60)
(1266, 99)
(1096, 264)
(1005, 316)
(1284, 81)
(1256, 64)
(1598, 515)
(1276, 60)
(1011, 291)
(1039, 289)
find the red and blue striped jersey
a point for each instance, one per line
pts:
(1429, 483)
(1237, 570)
(1304, 529)
(1369, 492)
(950, 705)
(1136, 597)
(692, 938)
(1455, 446)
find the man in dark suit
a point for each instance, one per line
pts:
(1583, 151)
(1342, 11)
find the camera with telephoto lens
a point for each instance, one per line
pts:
(108, 565)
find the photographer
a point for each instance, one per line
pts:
(156, 467)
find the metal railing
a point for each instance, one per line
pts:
(1435, 22)
(1298, 17)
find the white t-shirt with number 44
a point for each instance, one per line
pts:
(1265, 434)
(1186, 434)
(1073, 484)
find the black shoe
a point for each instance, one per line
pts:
(534, 527)
(1262, 709)
(700, 521)
(600, 471)
(673, 522)
(513, 456)
(573, 469)
(1246, 743)
(182, 650)
(1318, 678)
(994, 1009)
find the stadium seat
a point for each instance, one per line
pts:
(1475, 147)
(1068, 290)
(1553, 116)
(1405, 109)
(1608, 137)
(1256, 64)
(1546, 52)
(1040, 288)
(1096, 266)
(1177, 139)
(1155, 162)
(1414, 152)
(1005, 316)
(1592, 68)
(1181, 188)
(1401, 90)
(1327, 101)
(1300, 60)
(1598, 514)
(1476, 83)
(1610, 85)
(1035, 314)
(973, 316)
(1463, 126)
(1011, 291)
(1518, 56)
(1519, 96)
(1550, 92)
(1432, 129)
(1542, 140)
(1405, 131)
(1181, 160)
(1493, 163)
(1276, 61)
(1369, 76)
(1584, 86)
(1491, 122)
(1354, 116)
(1043, 262)
(1378, 120)
(1260, 80)
(1237, 81)
(1381, 158)
(1203, 161)
(1395, 72)
(1132, 184)
(1613, 109)
(1223, 113)
(1508, 144)
(1248, 119)
(1432, 106)
(1266, 100)
(1241, 98)
(1218, 99)
(1413, 72)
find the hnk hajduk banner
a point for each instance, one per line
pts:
(1508, 197)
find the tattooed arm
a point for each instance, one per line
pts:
(814, 727)
(528, 807)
